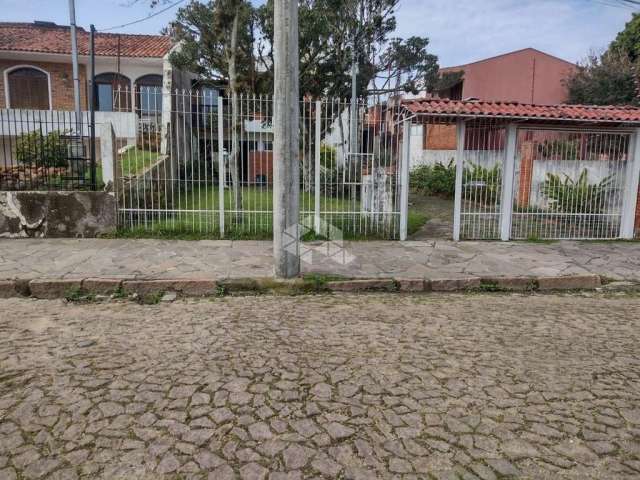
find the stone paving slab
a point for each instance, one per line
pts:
(161, 259)
(324, 387)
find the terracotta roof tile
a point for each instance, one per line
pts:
(563, 112)
(29, 37)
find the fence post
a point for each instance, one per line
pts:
(508, 174)
(630, 199)
(457, 209)
(404, 178)
(108, 154)
(316, 218)
(111, 168)
(221, 170)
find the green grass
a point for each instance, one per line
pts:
(99, 181)
(206, 197)
(415, 221)
(135, 160)
(198, 218)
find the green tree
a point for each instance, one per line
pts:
(609, 79)
(627, 42)
(612, 77)
(335, 32)
(217, 40)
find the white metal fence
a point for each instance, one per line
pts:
(481, 147)
(544, 183)
(569, 184)
(204, 163)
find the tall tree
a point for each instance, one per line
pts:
(334, 33)
(217, 43)
(627, 42)
(608, 79)
(612, 77)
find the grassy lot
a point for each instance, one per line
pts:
(135, 160)
(199, 218)
(206, 197)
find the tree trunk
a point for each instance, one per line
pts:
(235, 122)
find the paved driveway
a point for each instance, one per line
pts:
(362, 387)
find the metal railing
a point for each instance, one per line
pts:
(45, 150)
(204, 163)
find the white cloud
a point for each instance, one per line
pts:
(462, 31)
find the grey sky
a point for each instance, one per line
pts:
(460, 30)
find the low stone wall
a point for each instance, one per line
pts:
(56, 214)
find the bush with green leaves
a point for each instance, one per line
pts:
(561, 149)
(482, 184)
(438, 179)
(328, 156)
(37, 150)
(571, 196)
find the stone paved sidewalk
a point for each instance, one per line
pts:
(71, 258)
(462, 387)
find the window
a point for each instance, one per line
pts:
(113, 93)
(207, 105)
(28, 87)
(210, 98)
(149, 95)
(454, 92)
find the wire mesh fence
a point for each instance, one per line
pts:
(46, 150)
(483, 157)
(532, 182)
(204, 163)
(569, 184)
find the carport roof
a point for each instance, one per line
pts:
(521, 111)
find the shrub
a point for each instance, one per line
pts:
(36, 149)
(438, 179)
(328, 156)
(576, 195)
(483, 184)
(558, 149)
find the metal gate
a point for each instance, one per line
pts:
(532, 182)
(569, 183)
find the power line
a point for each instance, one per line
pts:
(624, 4)
(143, 19)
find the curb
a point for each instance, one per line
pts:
(52, 288)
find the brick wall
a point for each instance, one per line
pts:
(526, 173)
(61, 75)
(439, 137)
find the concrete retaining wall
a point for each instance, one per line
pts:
(56, 214)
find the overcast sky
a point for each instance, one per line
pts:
(461, 31)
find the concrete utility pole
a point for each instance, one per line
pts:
(74, 55)
(286, 168)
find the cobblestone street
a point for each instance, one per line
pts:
(353, 387)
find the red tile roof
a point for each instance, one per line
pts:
(29, 37)
(514, 110)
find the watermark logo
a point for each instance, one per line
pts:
(331, 249)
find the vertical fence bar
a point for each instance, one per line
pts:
(316, 171)
(630, 199)
(404, 178)
(506, 204)
(221, 172)
(457, 215)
